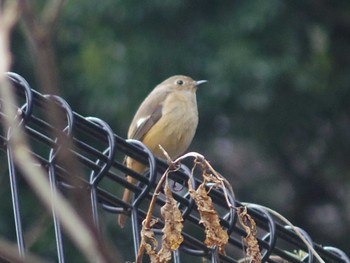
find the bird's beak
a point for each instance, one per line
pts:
(199, 82)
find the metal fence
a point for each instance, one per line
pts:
(100, 153)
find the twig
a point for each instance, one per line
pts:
(146, 224)
(224, 183)
(147, 221)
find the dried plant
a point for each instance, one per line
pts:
(172, 231)
(298, 254)
(253, 253)
(172, 237)
(216, 235)
(148, 241)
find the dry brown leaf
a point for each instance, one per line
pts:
(148, 241)
(172, 231)
(210, 177)
(215, 234)
(252, 252)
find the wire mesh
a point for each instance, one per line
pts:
(100, 153)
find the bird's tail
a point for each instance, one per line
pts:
(126, 198)
(127, 195)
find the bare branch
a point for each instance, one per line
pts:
(40, 28)
(9, 252)
(51, 13)
(10, 14)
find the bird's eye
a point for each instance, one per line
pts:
(180, 82)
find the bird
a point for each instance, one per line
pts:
(168, 116)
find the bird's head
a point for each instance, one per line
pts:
(180, 82)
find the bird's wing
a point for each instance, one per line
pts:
(147, 115)
(144, 124)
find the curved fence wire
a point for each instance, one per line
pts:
(100, 152)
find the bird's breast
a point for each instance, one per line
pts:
(177, 126)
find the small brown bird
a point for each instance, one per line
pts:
(167, 117)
